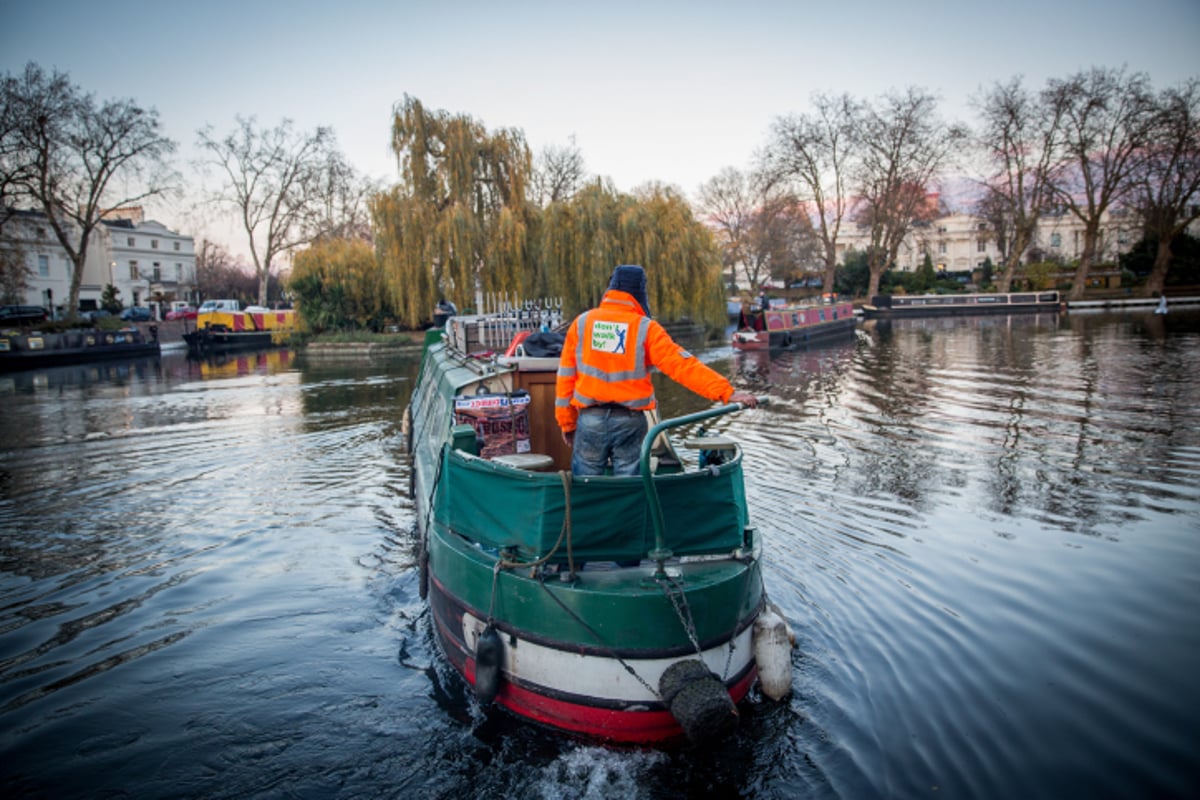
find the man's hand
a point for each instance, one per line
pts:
(745, 398)
(569, 438)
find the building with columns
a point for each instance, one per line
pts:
(148, 263)
(959, 242)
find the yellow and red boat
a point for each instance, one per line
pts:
(224, 330)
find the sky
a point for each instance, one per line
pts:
(671, 92)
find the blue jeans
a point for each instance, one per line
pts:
(608, 433)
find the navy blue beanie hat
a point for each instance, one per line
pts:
(632, 279)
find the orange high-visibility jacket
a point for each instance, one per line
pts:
(607, 357)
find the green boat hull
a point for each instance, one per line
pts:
(528, 563)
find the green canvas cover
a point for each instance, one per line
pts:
(501, 507)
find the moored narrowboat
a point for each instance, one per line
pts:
(792, 326)
(899, 306)
(622, 608)
(32, 349)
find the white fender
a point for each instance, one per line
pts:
(772, 643)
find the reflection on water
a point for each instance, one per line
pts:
(228, 365)
(983, 530)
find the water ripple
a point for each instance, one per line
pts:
(984, 534)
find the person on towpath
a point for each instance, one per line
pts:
(604, 385)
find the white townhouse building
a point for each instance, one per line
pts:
(149, 264)
(959, 242)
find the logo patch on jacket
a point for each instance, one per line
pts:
(609, 337)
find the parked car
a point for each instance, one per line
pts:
(22, 315)
(220, 305)
(187, 312)
(95, 315)
(137, 314)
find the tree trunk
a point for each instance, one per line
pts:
(72, 301)
(876, 270)
(1004, 284)
(830, 270)
(1079, 282)
(264, 280)
(1158, 273)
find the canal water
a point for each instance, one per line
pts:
(984, 531)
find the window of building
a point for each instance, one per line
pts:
(179, 273)
(44, 266)
(1056, 240)
(40, 233)
(981, 246)
(133, 271)
(129, 241)
(982, 226)
(154, 244)
(177, 247)
(157, 271)
(941, 247)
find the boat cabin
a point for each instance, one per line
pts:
(504, 476)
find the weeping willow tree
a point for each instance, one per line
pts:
(580, 240)
(337, 284)
(457, 221)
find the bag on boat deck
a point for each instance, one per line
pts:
(544, 344)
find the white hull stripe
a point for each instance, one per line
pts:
(602, 677)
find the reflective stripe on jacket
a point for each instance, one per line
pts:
(607, 357)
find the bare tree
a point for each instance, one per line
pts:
(1019, 139)
(813, 152)
(12, 165)
(558, 174)
(283, 186)
(73, 159)
(343, 197)
(14, 273)
(1168, 184)
(761, 226)
(217, 275)
(726, 200)
(1106, 117)
(903, 146)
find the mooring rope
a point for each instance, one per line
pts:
(564, 532)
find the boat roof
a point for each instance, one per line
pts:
(456, 370)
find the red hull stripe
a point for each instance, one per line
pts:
(630, 727)
(575, 713)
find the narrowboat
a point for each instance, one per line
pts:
(792, 326)
(899, 306)
(32, 349)
(626, 609)
(227, 331)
